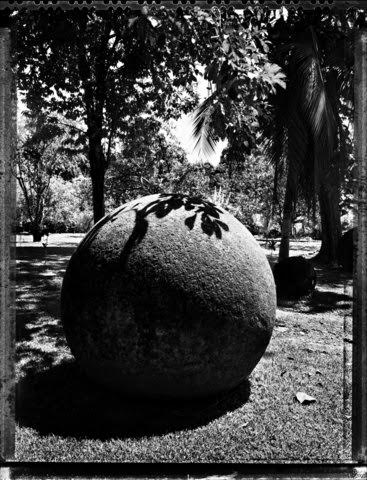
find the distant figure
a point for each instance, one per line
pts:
(44, 238)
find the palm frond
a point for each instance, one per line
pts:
(203, 131)
(311, 103)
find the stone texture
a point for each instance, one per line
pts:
(345, 250)
(294, 277)
(169, 296)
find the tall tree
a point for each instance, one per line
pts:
(98, 66)
(313, 49)
(303, 121)
(40, 157)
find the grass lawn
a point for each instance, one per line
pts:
(63, 417)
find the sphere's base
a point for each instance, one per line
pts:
(192, 385)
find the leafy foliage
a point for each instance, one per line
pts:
(104, 67)
(149, 162)
(69, 207)
(40, 157)
(234, 51)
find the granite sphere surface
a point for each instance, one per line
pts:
(168, 296)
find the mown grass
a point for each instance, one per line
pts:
(61, 416)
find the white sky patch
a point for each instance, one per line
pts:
(183, 132)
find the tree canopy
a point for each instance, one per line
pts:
(302, 122)
(102, 67)
(40, 157)
(279, 84)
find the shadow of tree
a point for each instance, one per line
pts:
(333, 277)
(327, 301)
(39, 333)
(317, 302)
(62, 401)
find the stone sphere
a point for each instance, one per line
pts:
(168, 296)
(345, 250)
(294, 277)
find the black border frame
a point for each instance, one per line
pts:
(10, 469)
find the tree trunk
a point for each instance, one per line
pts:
(97, 172)
(288, 209)
(329, 197)
(329, 193)
(36, 232)
(94, 99)
(97, 175)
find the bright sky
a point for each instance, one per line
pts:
(183, 133)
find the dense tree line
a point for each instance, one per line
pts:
(279, 93)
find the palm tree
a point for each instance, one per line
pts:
(307, 137)
(309, 134)
(305, 134)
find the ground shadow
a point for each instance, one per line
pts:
(317, 302)
(334, 277)
(38, 252)
(39, 333)
(321, 301)
(63, 402)
(39, 272)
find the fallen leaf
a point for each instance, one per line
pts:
(302, 397)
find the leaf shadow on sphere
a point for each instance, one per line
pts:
(62, 401)
(203, 211)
